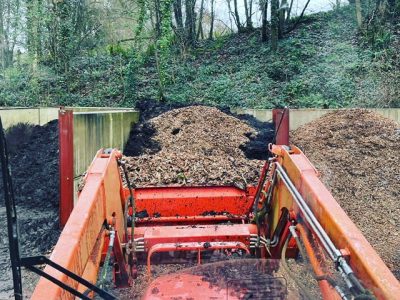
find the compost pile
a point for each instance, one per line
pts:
(195, 145)
(357, 153)
(33, 155)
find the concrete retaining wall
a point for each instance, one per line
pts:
(102, 129)
(41, 115)
(300, 117)
(35, 116)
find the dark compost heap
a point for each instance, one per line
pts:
(33, 153)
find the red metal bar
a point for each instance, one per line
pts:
(191, 247)
(194, 201)
(188, 219)
(280, 117)
(66, 163)
(183, 234)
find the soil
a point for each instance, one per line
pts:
(357, 153)
(33, 154)
(197, 145)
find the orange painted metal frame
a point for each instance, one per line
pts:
(327, 290)
(364, 261)
(167, 202)
(191, 233)
(193, 246)
(99, 200)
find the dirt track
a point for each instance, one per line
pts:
(357, 153)
(34, 166)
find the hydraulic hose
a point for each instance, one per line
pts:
(303, 289)
(341, 264)
(106, 264)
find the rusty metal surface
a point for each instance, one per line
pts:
(280, 118)
(66, 163)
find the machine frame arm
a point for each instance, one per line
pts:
(351, 245)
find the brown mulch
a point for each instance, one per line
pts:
(357, 153)
(198, 145)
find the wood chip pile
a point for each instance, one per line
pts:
(197, 145)
(357, 153)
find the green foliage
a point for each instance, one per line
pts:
(117, 49)
(322, 64)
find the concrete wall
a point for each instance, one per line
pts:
(41, 115)
(35, 116)
(102, 129)
(300, 117)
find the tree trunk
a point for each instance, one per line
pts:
(248, 14)
(358, 13)
(210, 36)
(300, 17)
(200, 26)
(158, 18)
(282, 18)
(190, 22)
(289, 11)
(230, 14)
(238, 24)
(274, 25)
(251, 12)
(264, 11)
(178, 14)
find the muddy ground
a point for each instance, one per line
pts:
(357, 153)
(33, 153)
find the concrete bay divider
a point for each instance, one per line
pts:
(101, 129)
(41, 115)
(299, 117)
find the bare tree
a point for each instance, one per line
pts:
(210, 36)
(190, 21)
(200, 26)
(237, 18)
(248, 13)
(9, 27)
(299, 18)
(289, 10)
(178, 16)
(282, 18)
(264, 11)
(274, 25)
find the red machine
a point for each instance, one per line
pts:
(288, 212)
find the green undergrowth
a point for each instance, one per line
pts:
(323, 63)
